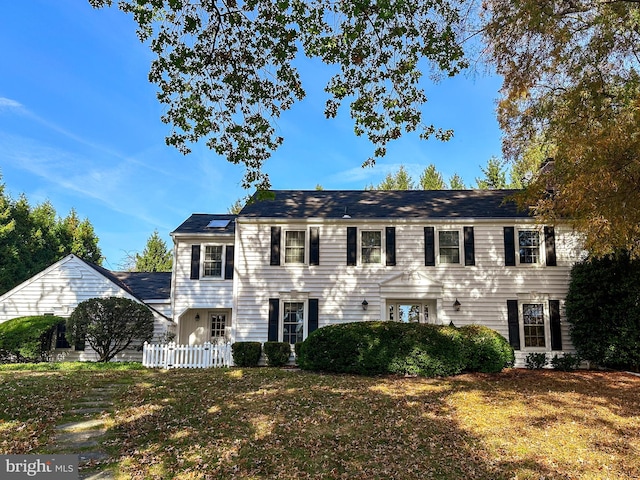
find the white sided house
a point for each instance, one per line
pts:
(301, 260)
(58, 289)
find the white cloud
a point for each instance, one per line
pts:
(8, 103)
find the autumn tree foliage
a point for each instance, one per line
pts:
(572, 87)
(109, 325)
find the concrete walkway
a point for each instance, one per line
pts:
(84, 436)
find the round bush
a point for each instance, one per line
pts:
(486, 350)
(371, 348)
(246, 354)
(277, 353)
(28, 339)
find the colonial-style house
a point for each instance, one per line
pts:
(296, 261)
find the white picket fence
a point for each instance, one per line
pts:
(170, 355)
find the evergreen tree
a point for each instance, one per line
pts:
(495, 178)
(155, 256)
(400, 180)
(431, 179)
(456, 182)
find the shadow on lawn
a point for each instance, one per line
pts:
(269, 423)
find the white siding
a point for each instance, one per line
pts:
(483, 289)
(203, 294)
(59, 289)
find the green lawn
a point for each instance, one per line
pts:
(270, 423)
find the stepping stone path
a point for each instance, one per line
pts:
(84, 436)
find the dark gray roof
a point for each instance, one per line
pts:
(142, 285)
(147, 285)
(197, 223)
(366, 204)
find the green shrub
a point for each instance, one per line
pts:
(28, 339)
(372, 348)
(535, 361)
(277, 353)
(603, 310)
(567, 363)
(486, 350)
(246, 354)
(296, 349)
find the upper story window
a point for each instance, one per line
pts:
(294, 246)
(212, 263)
(371, 243)
(529, 246)
(449, 246)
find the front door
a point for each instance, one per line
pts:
(218, 324)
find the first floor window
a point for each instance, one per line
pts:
(218, 324)
(293, 322)
(533, 320)
(371, 247)
(449, 246)
(529, 243)
(294, 246)
(213, 261)
(61, 339)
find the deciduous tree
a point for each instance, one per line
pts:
(572, 84)
(226, 70)
(109, 325)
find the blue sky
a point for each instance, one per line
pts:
(80, 126)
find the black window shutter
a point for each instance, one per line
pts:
(556, 332)
(314, 246)
(313, 315)
(469, 247)
(390, 239)
(509, 246)
(195, 262)
(275, 245)
(274, 314)
(352, 245)
(228, 263)
(429, 247)
(550, 246)
(514, 326)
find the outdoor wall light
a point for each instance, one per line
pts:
(365, 304)
(197, 317)
(457, 305)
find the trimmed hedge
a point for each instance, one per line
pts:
(28, 339)
(277, 353)
(246, 354)
(487, 351)
(372, 348)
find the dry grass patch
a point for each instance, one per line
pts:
(270, 423)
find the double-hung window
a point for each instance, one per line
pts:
(294, 241)
(371, 246)
(212, 262)
(449, 246)
(533, 323)
(293, 322)
(529, 246)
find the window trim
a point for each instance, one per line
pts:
(541, 247)
(304, 299)
(383, 252)
(203, 254)
(436, 242)
(542, 300)
(305, 246)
